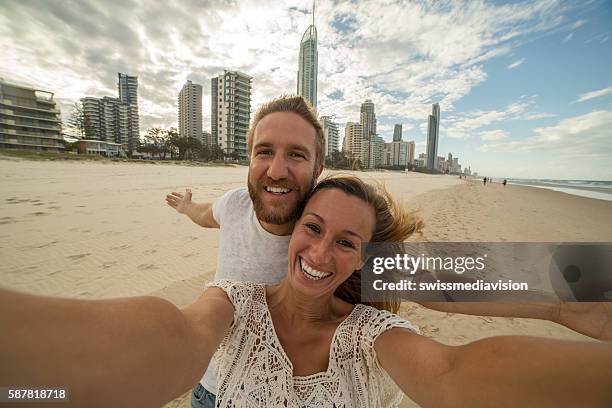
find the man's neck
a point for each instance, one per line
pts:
(278, 229)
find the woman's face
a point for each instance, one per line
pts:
(325, 247)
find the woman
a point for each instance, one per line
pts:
(304, 342)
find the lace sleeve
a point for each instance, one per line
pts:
(239, 293)
(376, 322)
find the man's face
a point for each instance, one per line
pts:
(282, 169)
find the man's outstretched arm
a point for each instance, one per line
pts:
(591, 319)
(200, 213)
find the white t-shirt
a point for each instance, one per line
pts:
(254, 371)
(247, 252)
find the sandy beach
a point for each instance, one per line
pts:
(98, 230)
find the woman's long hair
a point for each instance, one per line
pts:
(393, 224)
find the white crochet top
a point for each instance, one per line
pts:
(254, 371)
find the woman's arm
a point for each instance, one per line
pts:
(498, 371)
(140, 351)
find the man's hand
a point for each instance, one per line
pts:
(179, 202)
(200, 213)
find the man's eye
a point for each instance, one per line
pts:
(346, 243)
(264, 153)
(298, 155)
(313, 227)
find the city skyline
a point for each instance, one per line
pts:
(524, 87)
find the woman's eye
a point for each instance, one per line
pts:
(346, 243)
(313, 227)
(264, 153)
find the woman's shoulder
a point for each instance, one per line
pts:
(372, 322)
(240, 292)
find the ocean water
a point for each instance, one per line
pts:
(599, 189)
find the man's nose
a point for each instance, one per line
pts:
(278, 168)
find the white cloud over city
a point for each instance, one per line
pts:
(402, 55)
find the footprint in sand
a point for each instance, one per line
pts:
(78, 256)
(150, 251)
(121, 247)
(7, 220)
(143, 267)
(107, 265)
(39, 213)
(46, 245)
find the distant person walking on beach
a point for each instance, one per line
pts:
(484, 180)
(504, 182)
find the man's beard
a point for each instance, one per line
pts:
(278, 215)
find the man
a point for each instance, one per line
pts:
(285, 144)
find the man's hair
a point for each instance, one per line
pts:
(299, 106)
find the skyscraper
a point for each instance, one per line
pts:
(353, 140)
(330, 130)
(397, 133)
(231, 112)
(128, 95)
(433, 129)
(308, 64)
(377, 145)
(410, 153)
(190, 110)
(367, 119)
(106, 119)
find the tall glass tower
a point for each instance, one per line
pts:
(308, 64)
(433, 133)
(128, 95)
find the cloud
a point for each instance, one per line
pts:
(581, 136)
(568, 37)
(493, 135)
(594, 94)
(463, 125)
(516, 63)
(75, 49)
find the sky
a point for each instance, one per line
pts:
(524, 87)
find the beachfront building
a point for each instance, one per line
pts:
(400, 153)
(29, 119)
(128, 95)
(330, 130)
(411, 147)
(308, 64)
(433, 133)
(106, 119)
(206, 139)
(353, 141)
(231, 112)
(377, 145)
(190, 111)
(397, 133)
(99, 148)
(367, 119)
